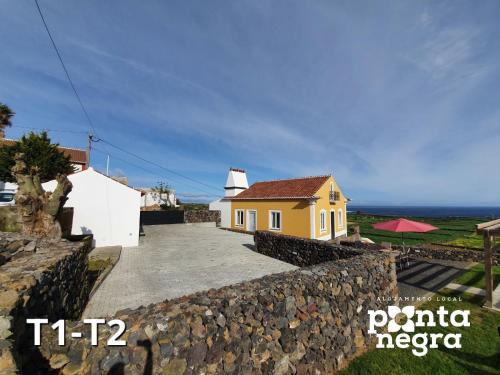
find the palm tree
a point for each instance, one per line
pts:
(5, 115)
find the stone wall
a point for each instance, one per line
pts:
(308, 321)
(449, 253)
(42, 279)
(300, 251)
(431, 251)
(201, 216)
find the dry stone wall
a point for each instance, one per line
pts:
(202, 216)
(434, 252)
(307, 321)
(40, 279)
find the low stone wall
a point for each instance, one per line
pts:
(201, 216)
(42, 279)
(447, 253)
(300, 251)
(308, 321)
(434, 252)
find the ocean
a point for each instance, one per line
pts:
(428, 211)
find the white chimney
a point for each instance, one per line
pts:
(236, 182)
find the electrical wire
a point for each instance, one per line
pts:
(159, 165)
(64, 68)
(153, 172)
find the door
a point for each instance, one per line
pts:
(332, 223)
(252, 221)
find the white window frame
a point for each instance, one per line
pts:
(332, 186)
(236, 217)
(340, 219)
(248, 218)
(271, 212)
(322, 221)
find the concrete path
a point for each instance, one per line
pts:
(477, 291)
(179, 259)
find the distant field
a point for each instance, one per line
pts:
(455, 231)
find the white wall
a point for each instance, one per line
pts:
(106, 208)
(224, 206)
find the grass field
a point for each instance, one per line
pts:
(479, 354)
(475, 277)
(455, 231)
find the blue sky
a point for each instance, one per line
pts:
(399, 99)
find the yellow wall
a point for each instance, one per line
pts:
(296, 213)
(294, 221)
(323, 203)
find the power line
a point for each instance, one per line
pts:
(160, 166)
(150, 171)
(64, 68)
(88, 117)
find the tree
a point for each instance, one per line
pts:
(5, 115)
(38, 153)
(37, 208)
(162, 192)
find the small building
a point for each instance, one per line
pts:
(310, 207)
(153, 199)
(236, 182)
(103, 207)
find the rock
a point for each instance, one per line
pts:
(58, 360)
(197, 327)
(281, 367)
(30, 247)
(197, 354)
(221, 320)
(294, 323)
(8, 299)
(72, 369)
(176, 366)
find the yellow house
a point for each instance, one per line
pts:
(311, 207)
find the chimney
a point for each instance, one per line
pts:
(236, 182)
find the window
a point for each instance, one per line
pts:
(322, 220)
(239, 218)
(275, 220)
(341, 219)
(331, 187)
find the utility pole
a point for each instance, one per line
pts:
(91, 139)
(89, 148)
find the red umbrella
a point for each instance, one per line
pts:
(404, 225)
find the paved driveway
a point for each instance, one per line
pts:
(179, 259)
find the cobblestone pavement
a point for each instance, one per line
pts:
(179, 259)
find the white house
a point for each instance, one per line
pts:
(236, 182)
(103, 207)
(151, 198)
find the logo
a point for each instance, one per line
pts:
(406, 319)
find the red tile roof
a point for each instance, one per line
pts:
(76, 155)
(296, 188)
